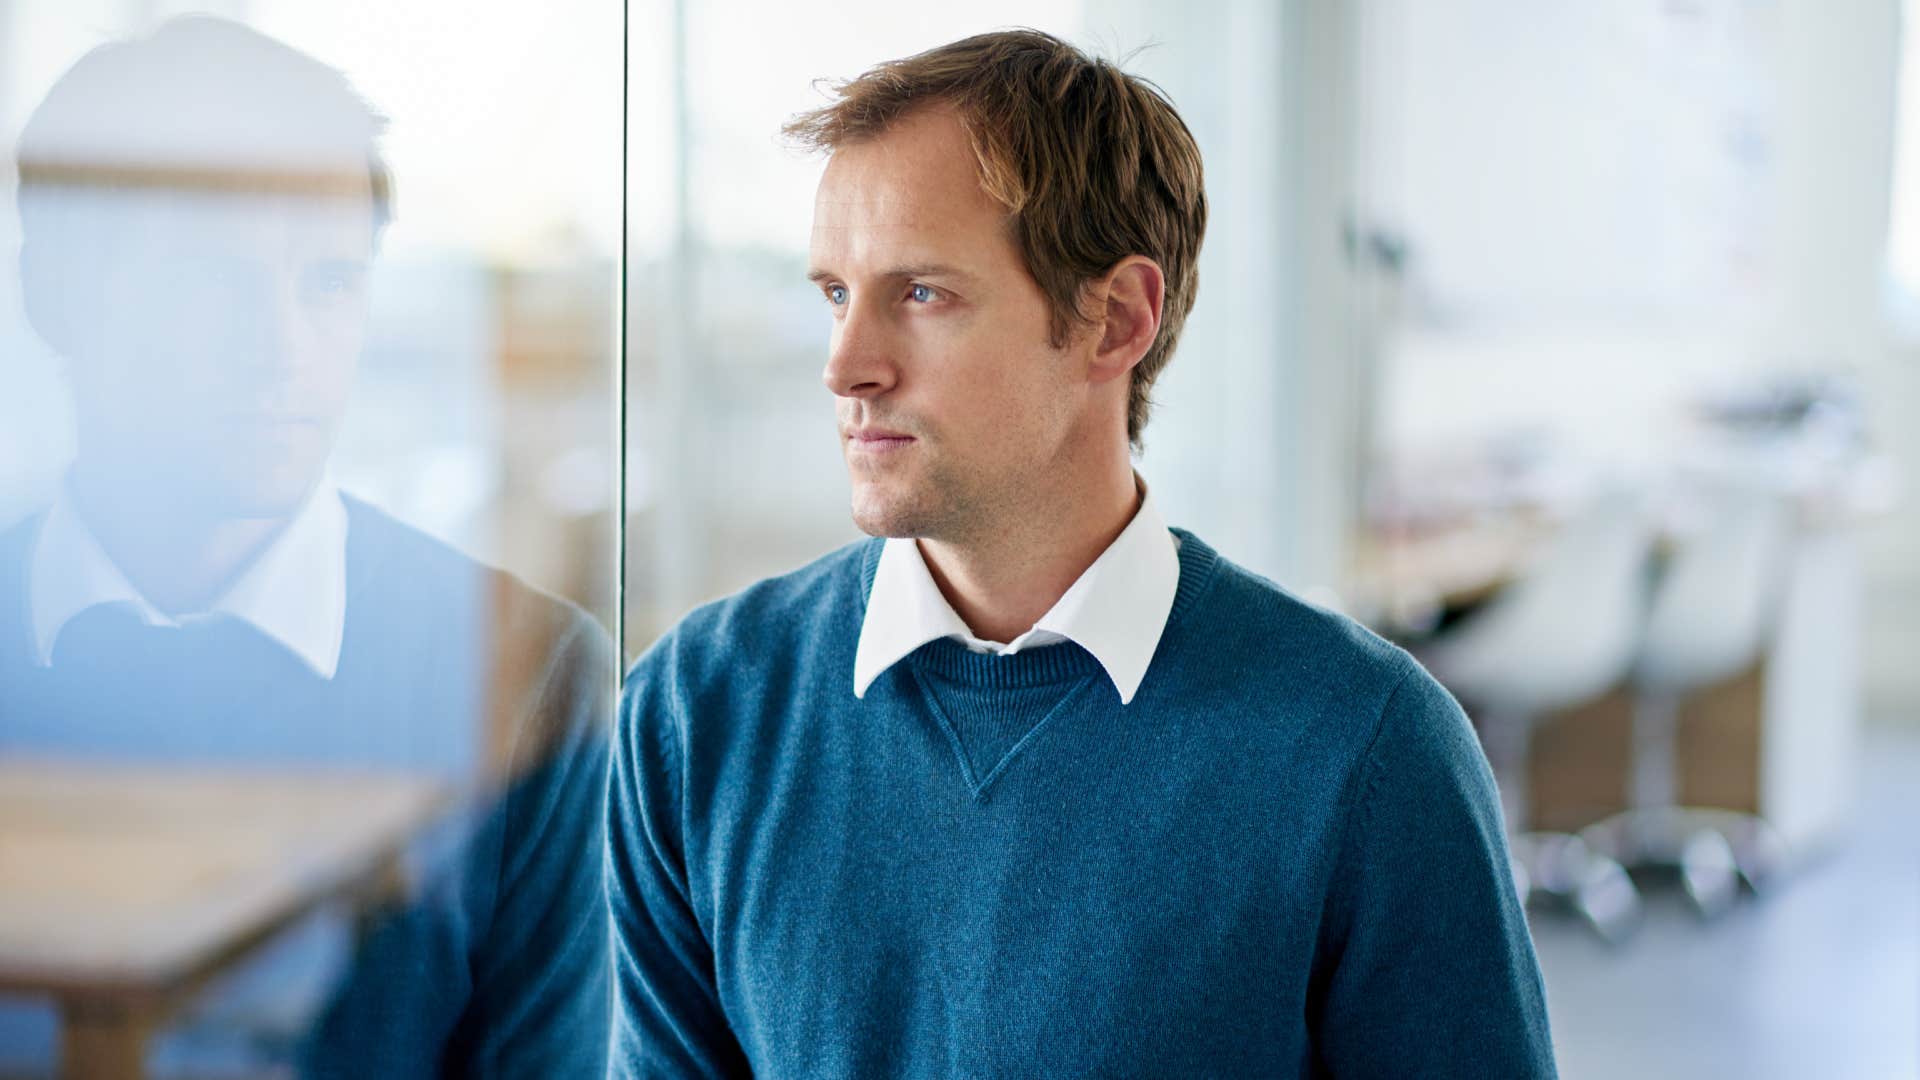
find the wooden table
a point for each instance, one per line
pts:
(123, 888)
(1401, 582)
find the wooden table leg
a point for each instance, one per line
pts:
(104, 1040)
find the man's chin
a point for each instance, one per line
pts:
(273, 494)
(262, 509)
(877, 515)
(878, 526)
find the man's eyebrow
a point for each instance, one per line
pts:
(911, 270)
(929, 270)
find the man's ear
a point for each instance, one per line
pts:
(1127, 302)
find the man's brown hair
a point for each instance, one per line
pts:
(1092, 164)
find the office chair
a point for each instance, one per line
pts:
(1561, 636)
(1708, 621)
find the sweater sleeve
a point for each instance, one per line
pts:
(1425, 966)
(668, 1020)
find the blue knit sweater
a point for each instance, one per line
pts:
(1283, 858)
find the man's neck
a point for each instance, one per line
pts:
(1001, 583)
(179, 560)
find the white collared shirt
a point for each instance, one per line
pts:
(1116, 610)
(295, 592)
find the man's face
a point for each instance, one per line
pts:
(225, 350)
(954, 409)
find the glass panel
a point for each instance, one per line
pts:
(307, 493)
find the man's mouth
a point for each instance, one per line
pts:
(877, 439)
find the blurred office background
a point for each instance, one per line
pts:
(1570, 345)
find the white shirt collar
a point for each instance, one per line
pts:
(1116, 610)
(295, 592)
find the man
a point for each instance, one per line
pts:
(1035, 786)
(199, 209)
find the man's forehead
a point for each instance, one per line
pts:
(875, 208)
(910, 195)
(891, 215)
(246, 225)
(206, 205)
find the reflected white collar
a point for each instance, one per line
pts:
(1116, 610)
(295, 592)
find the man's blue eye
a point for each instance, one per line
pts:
(921, 294)
(836, 295)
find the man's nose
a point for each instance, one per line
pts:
(861, 361)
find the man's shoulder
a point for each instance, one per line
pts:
(1251, 612)
(391, 560)
(536, 644)
(386, 554)
(1329, 685)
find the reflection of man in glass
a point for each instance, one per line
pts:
(198, 211)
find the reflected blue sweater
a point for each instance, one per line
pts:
(1283, 857)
